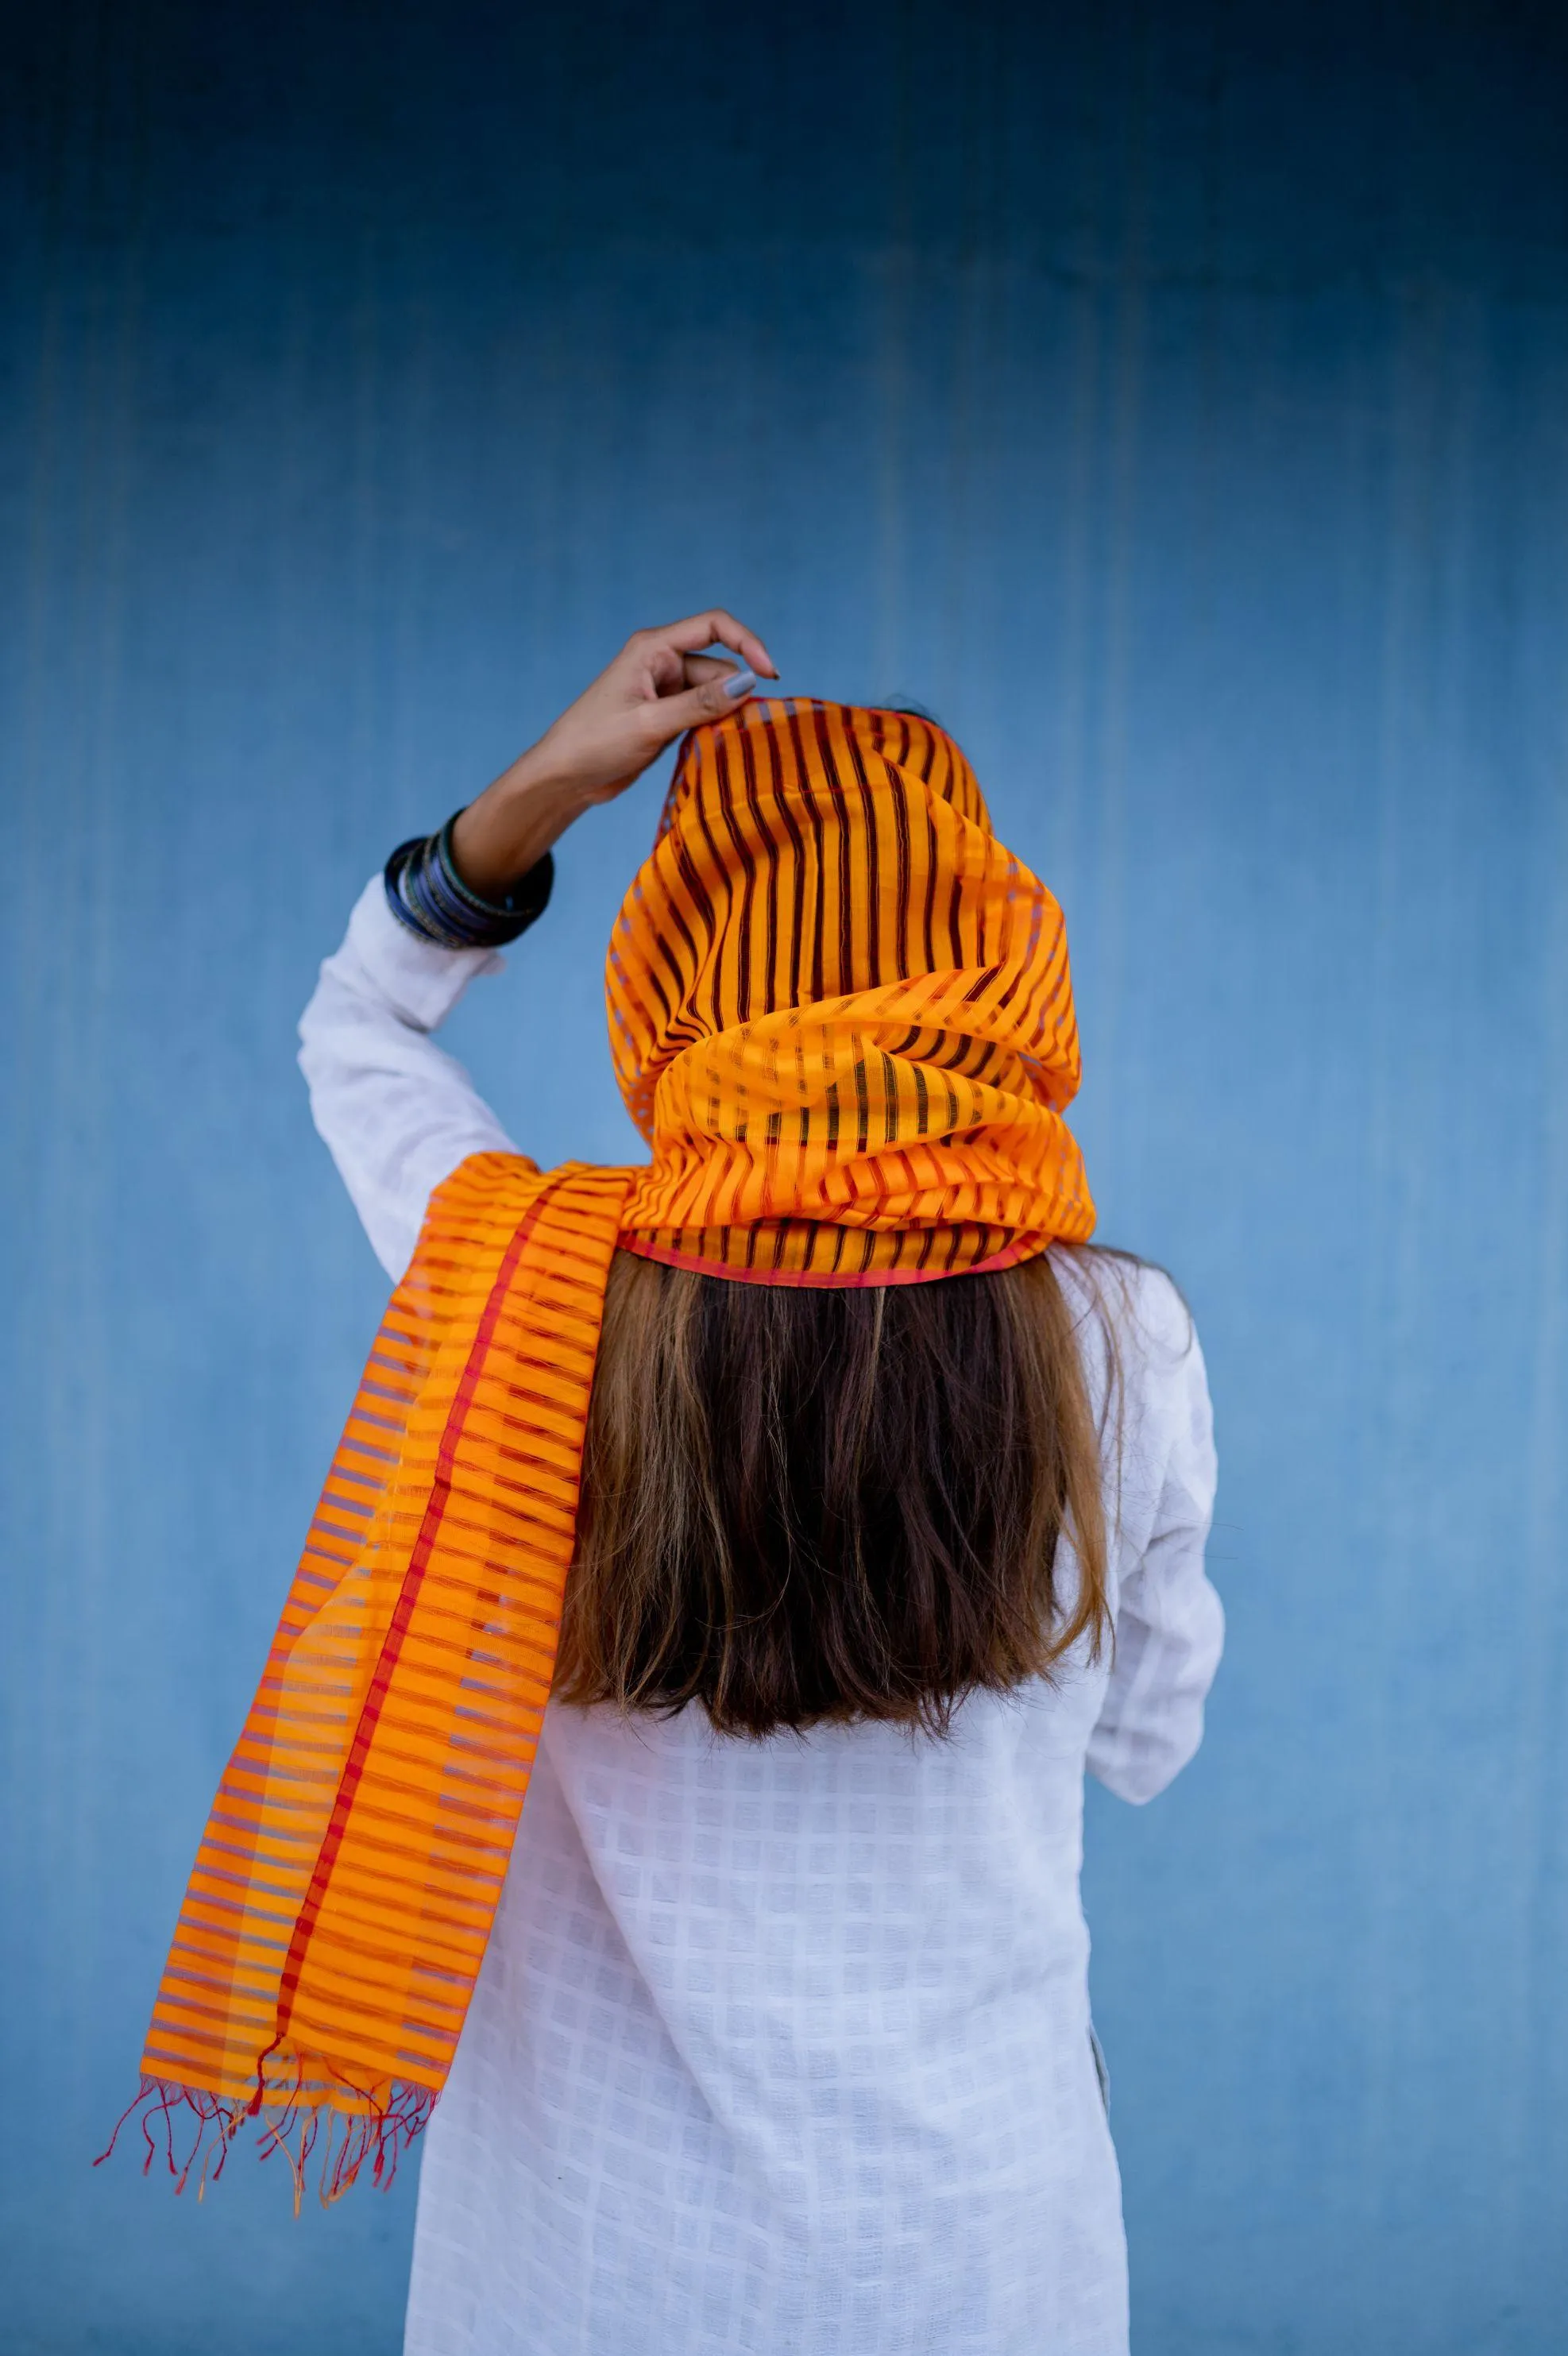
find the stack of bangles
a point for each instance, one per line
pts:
(425, 893)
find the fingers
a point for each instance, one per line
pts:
(711, 629)
(698, 669)
(671, 715)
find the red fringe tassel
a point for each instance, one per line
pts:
(168, 2109)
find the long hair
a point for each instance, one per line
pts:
(805, 1504)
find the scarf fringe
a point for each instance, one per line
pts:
(301, 2130)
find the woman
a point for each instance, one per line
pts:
(845, 1503)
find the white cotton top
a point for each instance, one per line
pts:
(782, 2047)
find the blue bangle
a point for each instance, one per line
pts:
(426, 893)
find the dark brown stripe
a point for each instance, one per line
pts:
(685, 983)
(845, 978)
(890, 1109)
(628, 986)
(873, 866)
(955, 929)
(770, 889)
(814, 819)
(928, 912)
(722, 933)
(901, 840)
(796, 868)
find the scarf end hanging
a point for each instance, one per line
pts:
(195, 2130)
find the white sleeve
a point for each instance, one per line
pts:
(397, 1114)
(1169, 1624)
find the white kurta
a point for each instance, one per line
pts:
(782, 2047)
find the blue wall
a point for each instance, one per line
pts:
(1175, 399)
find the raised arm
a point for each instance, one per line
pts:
(397, 1114)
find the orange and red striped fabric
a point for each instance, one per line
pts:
(841, 1013)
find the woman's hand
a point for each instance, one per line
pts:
(658, 685)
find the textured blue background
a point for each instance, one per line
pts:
(1176, 399)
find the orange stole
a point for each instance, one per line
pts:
(341, 1903)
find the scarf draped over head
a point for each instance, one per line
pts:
(841, 1014)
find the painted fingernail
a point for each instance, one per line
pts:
(741, 684)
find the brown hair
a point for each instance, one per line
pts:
(803, 1505)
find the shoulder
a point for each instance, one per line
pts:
(1134, 1307)
(1141, 1356)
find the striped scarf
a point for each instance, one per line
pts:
(841, 1014)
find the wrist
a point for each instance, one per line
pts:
(426, 892)
(512, 825)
